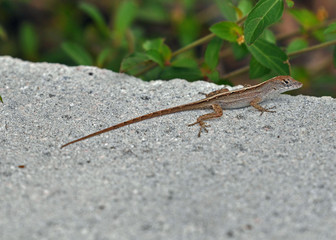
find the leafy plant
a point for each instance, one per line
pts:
(249, 36)
(144, 38)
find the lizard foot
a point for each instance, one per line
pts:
(267, 110)
(203, 126)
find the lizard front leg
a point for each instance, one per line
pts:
(218, 112)
(255, 103)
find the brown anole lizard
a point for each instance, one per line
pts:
(219, 100)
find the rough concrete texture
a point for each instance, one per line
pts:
(250, 177)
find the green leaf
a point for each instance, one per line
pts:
(155, 56)
(185, 62)
(270, 56)
(257, 70)
(245, 6)
(239, 51)
(96, 16)
(334, 56)
(3, 34)
(214, 76)
(227, 9)
(166, 52)
(290, 3)
(134, 62)
(188, 30)
(152, 11)
(305, 17)
(229, 31)
(269, 36)
(77, 53)
(103, 56)
(1, 99)
(28, 40)
(296, 45)
(155, 44)
(330, 29)
(320, 36)
(212, 52)
(157, 51)
(190, 74)
(265, 13)
(301, 74)
(125, 14)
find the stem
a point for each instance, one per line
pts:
(194, 44)
(312, 48)
(146, 69)
(202, 40)
(237, 72)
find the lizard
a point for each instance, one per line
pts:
(218, 100)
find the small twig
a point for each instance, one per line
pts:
(194, 44)
(312, 48)
(236, 72)
(149, 67)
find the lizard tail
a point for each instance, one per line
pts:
(180, 108)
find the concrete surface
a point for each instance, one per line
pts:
(251, 177)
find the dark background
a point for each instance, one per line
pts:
(35, 30)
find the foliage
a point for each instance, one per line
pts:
(264, 14)
(138, 37)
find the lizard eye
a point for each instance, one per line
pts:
(286, 82)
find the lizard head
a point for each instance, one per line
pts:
(285, 83)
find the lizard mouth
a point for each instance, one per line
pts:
(297, 85)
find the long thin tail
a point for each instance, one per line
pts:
(180, 108)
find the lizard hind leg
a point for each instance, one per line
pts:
(218, 112)
(202, 124)
(255, 103)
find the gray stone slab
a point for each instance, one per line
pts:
(250, 177)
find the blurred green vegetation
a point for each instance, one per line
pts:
(164, 39)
